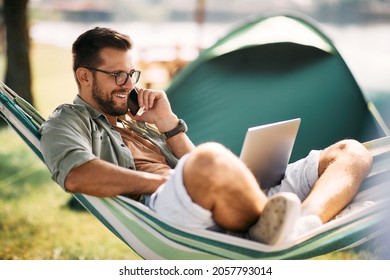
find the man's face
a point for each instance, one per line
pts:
(110, 98)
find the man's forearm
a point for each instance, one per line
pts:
(180, 144)
(103, 179)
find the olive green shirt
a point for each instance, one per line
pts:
(77, 133)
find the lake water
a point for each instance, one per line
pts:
(365, 48)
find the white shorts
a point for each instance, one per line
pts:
(173, 204)
(300, 176)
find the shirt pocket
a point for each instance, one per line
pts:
(100, 142)
(103, 148)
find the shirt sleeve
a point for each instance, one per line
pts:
(66, 141)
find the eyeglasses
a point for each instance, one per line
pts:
(121, 77)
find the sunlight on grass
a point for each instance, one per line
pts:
(35, 222)
(53, 81)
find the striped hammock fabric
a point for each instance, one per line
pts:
(152, 238)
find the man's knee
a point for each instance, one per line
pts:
(211, 164)
(209, 157)
(349, 151)
(353, 150)
(217, 180)
(218, 165)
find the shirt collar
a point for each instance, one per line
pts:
(95, 114)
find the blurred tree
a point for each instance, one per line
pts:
(18, 71)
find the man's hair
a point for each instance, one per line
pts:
(86, 49)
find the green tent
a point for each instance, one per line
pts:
(271, 69)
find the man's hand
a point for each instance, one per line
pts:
(157, 109)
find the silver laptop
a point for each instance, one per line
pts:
(267, 150)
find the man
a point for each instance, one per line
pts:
(97, 147)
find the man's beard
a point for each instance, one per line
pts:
(106, 101)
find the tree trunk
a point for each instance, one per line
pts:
(18, 72)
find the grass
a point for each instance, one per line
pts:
(52, 76)
(35, 221)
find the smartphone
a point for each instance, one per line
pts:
(133, 105)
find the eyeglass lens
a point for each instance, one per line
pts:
(121, 78)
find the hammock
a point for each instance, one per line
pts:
(153, 238)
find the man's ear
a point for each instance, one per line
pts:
(84, 76)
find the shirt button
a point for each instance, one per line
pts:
(123, 145)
